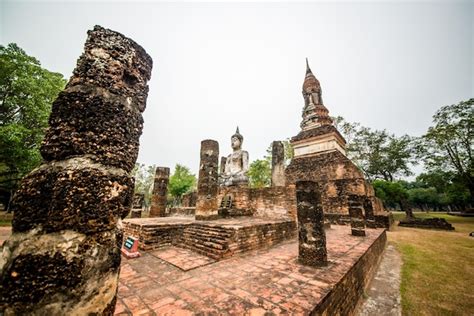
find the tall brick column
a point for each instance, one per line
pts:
(356, 212)
(63, 257)
(278, 164)
(160, 191)
(208, 186)
(311, 234)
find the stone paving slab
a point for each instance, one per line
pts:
(267, 281)
(383, 294)
(182, 258)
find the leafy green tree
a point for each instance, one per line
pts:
(181, 181)
(144, 178)
(448, 144)
(378, 154)
(26, 93)
(260, 173)
(393, 194)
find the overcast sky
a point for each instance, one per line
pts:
(386, 65)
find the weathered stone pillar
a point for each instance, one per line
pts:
(278, 164)
(63, 257)
(356, 212)
(208, 186)
(311, 235)
(369, 213)
(222, 166)
(160, 191)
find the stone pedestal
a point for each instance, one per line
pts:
(356, 212)
(63, 257)
(208, 186)
(311, 235)
(278, 164)
(160, 191)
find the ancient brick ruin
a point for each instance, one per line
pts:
(278, 164)
(160, 191)
(207, 203)
(311, 235)
(320, 156)
(64, 254)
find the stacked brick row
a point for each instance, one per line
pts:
(64, 254)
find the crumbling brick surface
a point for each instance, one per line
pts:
(160, 191)
(315, 132)
(99, 112)
(207, 204)
(338, 178)
(64, 254)
(311, 235)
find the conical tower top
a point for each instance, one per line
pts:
(310, 84)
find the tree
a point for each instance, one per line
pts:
(260, 173)
(26, 93)
(448, 144)
(144, 178)
(378, 154)
(393, 194)
(181, 182)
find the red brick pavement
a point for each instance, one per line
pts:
(182, 258)
(268, 281)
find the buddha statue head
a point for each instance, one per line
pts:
(236, 140)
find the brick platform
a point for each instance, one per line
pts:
(215, 239)
(267, 280)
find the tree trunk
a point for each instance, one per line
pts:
(405, 206)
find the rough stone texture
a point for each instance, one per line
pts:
(278, 164)
(208, 185)
(64, 254)
(311, 235)
(356, 210)
(138, 201)
(272, 202)
(428, 223)
(160, 191)
(369, 213)
(99, 112)
(268, 281)
(337, 177)
(381, 221)
(189, 199)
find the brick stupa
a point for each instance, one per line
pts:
(320, 156)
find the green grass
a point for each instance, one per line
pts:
(437, 272)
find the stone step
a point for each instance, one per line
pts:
(209, 231)
(206, 234)
(204, 243)
(204, 239)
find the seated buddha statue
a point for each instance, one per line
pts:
(237, 163)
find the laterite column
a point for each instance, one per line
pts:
(63, 257)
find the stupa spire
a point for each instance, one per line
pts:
(314, 113)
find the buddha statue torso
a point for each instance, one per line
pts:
(236, 166)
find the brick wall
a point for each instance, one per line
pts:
(345, 296)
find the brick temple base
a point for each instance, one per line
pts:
(216, 239)
(266, 280)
